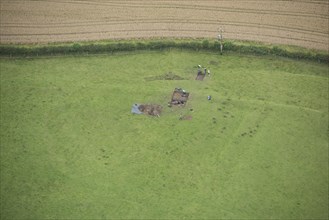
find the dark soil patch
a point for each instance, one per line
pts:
(166, 76)
(186, 117)
(213, 62)
(151, 109)
(200, 76)
(179, 97)
(214, 120)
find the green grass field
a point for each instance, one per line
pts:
(71, 149)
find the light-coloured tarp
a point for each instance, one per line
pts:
(135, 109)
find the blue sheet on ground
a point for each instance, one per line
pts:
(135, 110)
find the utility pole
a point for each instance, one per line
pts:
(220, 39)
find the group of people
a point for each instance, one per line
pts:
(205, 70)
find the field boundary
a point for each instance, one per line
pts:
(96, 47)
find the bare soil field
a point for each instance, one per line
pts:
(295, 22)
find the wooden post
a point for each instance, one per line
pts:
(220, 39)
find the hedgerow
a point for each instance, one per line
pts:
(111, 47)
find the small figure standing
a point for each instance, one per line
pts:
(199, 69)
(208, 72)
(205, 71)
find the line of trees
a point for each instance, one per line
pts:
(112, 47)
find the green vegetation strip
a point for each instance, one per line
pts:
(243, 47)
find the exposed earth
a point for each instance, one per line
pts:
(303, 23)
(151, 109)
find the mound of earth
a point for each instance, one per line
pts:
(215, 63)
(186, 117)
(151, 109)
(166, 76)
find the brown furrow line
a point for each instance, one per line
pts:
(203, 8)
(314, 2)
(173, 21)
(160, 30)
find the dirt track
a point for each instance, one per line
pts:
(296, 22)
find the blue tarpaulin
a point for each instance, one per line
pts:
(135, 109)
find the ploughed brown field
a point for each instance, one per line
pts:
(296, 22)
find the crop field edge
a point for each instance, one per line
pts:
(111, 46)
